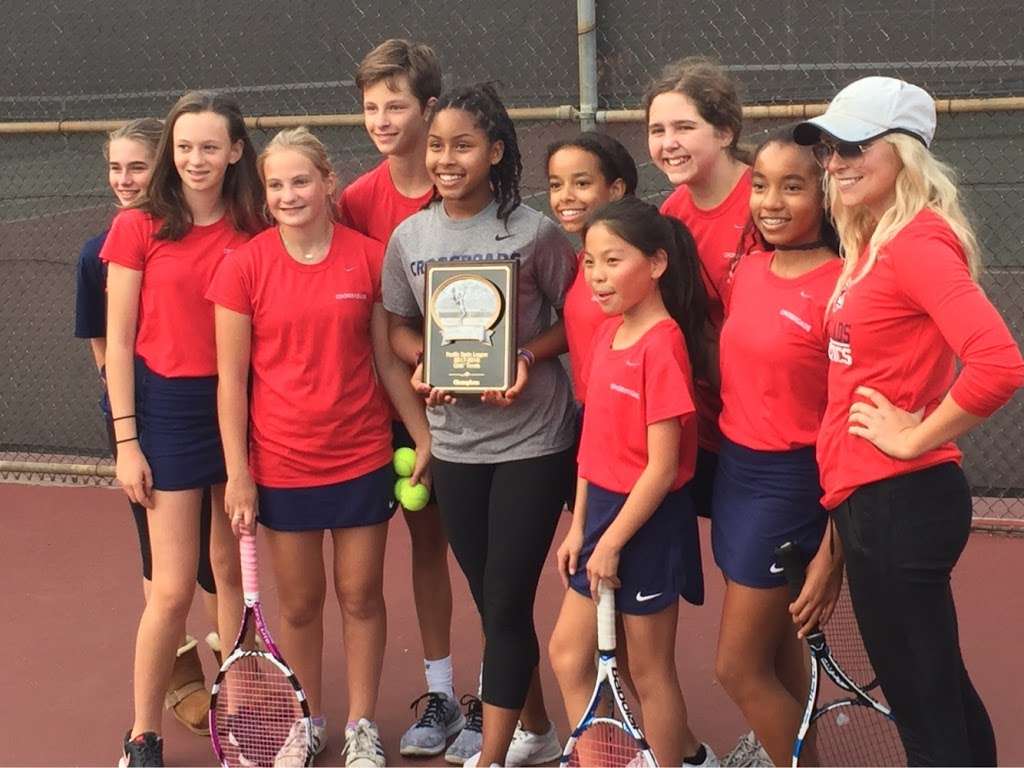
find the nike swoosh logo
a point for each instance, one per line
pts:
(773, 568)
(631, 364)
(805, 295)
(504, 237)
(349, 269)
(640, 598)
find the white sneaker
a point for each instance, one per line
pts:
(293, 752)
(528, 748)
(710, 758)
(362, 745)
(748, 753)
(474, 760)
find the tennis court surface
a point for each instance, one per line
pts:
(71, 602)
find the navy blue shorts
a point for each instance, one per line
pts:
(178, 432)
(400, 438)
(661, 561)
(763, 499)
(365, 500)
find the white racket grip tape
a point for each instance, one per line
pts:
(605, 617)
(250, 571)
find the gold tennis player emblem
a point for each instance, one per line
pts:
(466, 307)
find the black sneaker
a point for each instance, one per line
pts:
(146, 749)
(470, 738)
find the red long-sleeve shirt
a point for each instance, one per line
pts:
(899, 330)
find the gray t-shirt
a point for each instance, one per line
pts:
(540, 421)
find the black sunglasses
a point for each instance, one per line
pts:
(847, 150)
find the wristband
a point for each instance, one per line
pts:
(122, 418)
(527, 355)
(126, 440)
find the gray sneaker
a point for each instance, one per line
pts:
(747, 753)
(427, 737)
(470, 738)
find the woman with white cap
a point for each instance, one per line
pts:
(907, 305)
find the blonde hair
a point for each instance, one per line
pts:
(924, 181)
(145, 130)
(309, 146)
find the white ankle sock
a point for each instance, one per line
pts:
(439, 675)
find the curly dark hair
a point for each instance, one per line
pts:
(483, 103)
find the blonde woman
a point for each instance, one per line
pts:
(309, 449)
(905, 308)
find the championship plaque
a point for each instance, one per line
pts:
(469, 334)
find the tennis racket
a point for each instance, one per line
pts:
(855, 727)
(258, 713)
(612, 741)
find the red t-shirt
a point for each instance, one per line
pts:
(717, 232)
(175, 334)
(318, 415)
(899, 330)
(773, 355)
(627, 390)
(373, 205)
(583, 316)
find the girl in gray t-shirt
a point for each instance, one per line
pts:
(503, 462)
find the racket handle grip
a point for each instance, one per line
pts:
(605, 617)
(789, 558)
(250, 571)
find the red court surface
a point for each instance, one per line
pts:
(72, 598)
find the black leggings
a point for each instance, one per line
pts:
(902, 536)
(500, 519)
(204, 572)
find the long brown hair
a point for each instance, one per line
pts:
(242, 192)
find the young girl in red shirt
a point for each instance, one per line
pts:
(202, 202)
(906, 307)
(694, 120)
(634, 525)
(585, 173)
(309, 450)
(773, 365)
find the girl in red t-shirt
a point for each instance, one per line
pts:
(694, 120)
(906, 307)
(309, 450)
(584, 173)
(634, 525)
(202, 201)
(130, 152)
(773, 364)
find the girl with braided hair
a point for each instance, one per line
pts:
(500, 462)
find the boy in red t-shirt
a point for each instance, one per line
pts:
(400, 80)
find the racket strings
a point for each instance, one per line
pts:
(258, 715)
(855, 735)
(844, 641)
(607, 743)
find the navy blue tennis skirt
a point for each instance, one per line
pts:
(365, 500)
(661, 561)
(177, 427)
(763, 499)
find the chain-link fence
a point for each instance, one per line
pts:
(109, 61)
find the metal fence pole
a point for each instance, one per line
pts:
(586, 31)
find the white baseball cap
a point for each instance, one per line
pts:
(872, 107)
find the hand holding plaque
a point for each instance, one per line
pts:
(469, 334)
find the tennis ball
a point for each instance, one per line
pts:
(404, 462)
(414, 497)
(399, 487)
